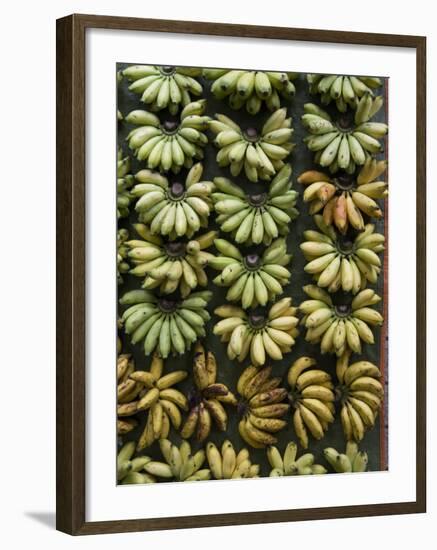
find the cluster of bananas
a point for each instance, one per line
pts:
(361, 396)
(289, 464)
(256, 334)
(352, 460)
(166, 325)
(340, 327)
(125, 367)
(343, 199)
(312, 397)
(172, 265)
(169, 145)
(251, 88)
(226, 463)
(131, 470)
(339, 262)
(256, 218)
(253, 279)
(206, 398)
(124, 183)
(345, 90)
(261, 154)
(163, 86)
(345, 143)
(261, 406)
(175, 210)
(122, 252)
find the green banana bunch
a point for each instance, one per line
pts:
(122, 251)
(163, 87)
(252, 279)
(261, 154)
(345, 90)
(312, 398)
(256, 218)
(169, 145)
(256, 334)
(339, 327)
(172, 265)
(131, 470)
(125, 367)
(173, 209)
(342, 262)
(251, 88)
(260, 406)
(226, 463)
(206, 398)
(166, 325)
(344, 143)
(124, 183)
(289, 464)
(344, 199)
(353, 460)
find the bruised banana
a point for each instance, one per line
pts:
(122, 252)
(226, 463)
(131, 470)
(352, 460)
(124, 184)
(289, 465)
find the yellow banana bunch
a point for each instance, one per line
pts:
(226, 463)
(126, 392)
(339, 327)
(131, 470)
(122, 251)
(206, 399)
(260, 154)
(342, 200)
(340, 262)
(289, 464)
(124, 184)
(163, 87)
(261, 406)
(352, 460)
(170, 265)
(252, 279)
(259, 336)
(312, 397)
(251, 88)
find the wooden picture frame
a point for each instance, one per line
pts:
(71, 247)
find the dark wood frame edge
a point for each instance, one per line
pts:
(70, 299)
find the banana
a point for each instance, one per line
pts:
(289, 464)
(125, 180)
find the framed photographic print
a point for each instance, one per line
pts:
(241, 274)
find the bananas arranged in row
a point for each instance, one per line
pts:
(124, 184)
(122, 251)
(261, 406)
(163, 87)
(172, 265)
(352, 460)
(259, 336)
(290, 465)
(342, 327)
(256, 218)
(207, 398)
(169, 145)
(252, 279)
(260, 154)
(345, 90)
(361, 396)
(251, 88)
(163, 324)
(131, 470)
(339, 262)
(125, 367)
(312, 397)
(226, 463)
(344, 144)
(173, 209)
(342, 200)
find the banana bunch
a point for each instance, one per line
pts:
(169, 145)
(173, 209)
(256, 218)
(339, 262)
(261, 406)
(125, 367)
(226, 463)
(361, 396)
(172, 265)
(312, 398)
(261, 154)
(166, 325)
(252, 279)
(163, 87)
(339, 327)
(251, 88)
(344, 199)
(255, 334)
(124, 183)
(122, 250)
(344, 143)
(131, 470)
(206, 398)
(345, 90)
(353, 460)
(180, 464)
(289, 464)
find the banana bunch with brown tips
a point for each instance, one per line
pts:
(122, 251)
(131, 470)
(226, 463)
(289, 464)
(124, 184)
(352, 460)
